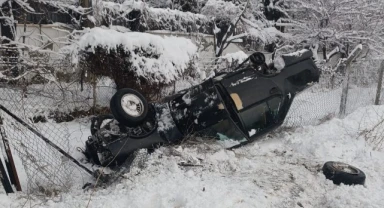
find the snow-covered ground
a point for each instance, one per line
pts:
(280, 170)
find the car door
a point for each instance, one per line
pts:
(261, 117)
(248, 87)
(256, 99)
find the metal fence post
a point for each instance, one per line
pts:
(380, 83)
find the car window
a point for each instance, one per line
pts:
(226, 130)
(258, 117)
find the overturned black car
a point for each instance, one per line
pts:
(240, 105)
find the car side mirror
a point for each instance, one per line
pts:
(257, 59)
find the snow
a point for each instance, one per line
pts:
(226, 63)
(281, 170)
(239, 56)
(165, 121)
(216, 30)
(279, 63)
(187, 98)
(252, 132)
(92, 19)
(174, 53)
(297, 53)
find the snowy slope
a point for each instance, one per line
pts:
(281, 170)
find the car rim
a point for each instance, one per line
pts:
(345, 168)
(132, 105)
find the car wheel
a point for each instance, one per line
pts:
(96, 122)
(340, 172)
(129, 107)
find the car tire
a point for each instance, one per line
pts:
(340, 172)
(97, 121)
(129, 107)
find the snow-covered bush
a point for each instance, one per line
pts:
(138, 16)
(136, 60)
(182, 5)
(230, 61)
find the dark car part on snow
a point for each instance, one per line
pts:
(8, 159)
(129, 107)
(340, 172)
(241, 105)
(4, 179)
(98, 121)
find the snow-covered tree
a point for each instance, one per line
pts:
(343, 24)
(237, 21)
(193, 6)
(139, 16)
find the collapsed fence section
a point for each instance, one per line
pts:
(43, 166)
(40, 112)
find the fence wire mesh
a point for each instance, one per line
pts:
(46, 107)
(322, 101)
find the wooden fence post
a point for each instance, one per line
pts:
(94, 93)
(380, 83)
(347, 64)
(344, 92)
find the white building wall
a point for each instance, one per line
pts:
(205, 44)
(48, 36)
(53, 37)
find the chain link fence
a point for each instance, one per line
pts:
(47, 107)
(322, 101)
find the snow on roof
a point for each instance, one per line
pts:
(174, 53)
